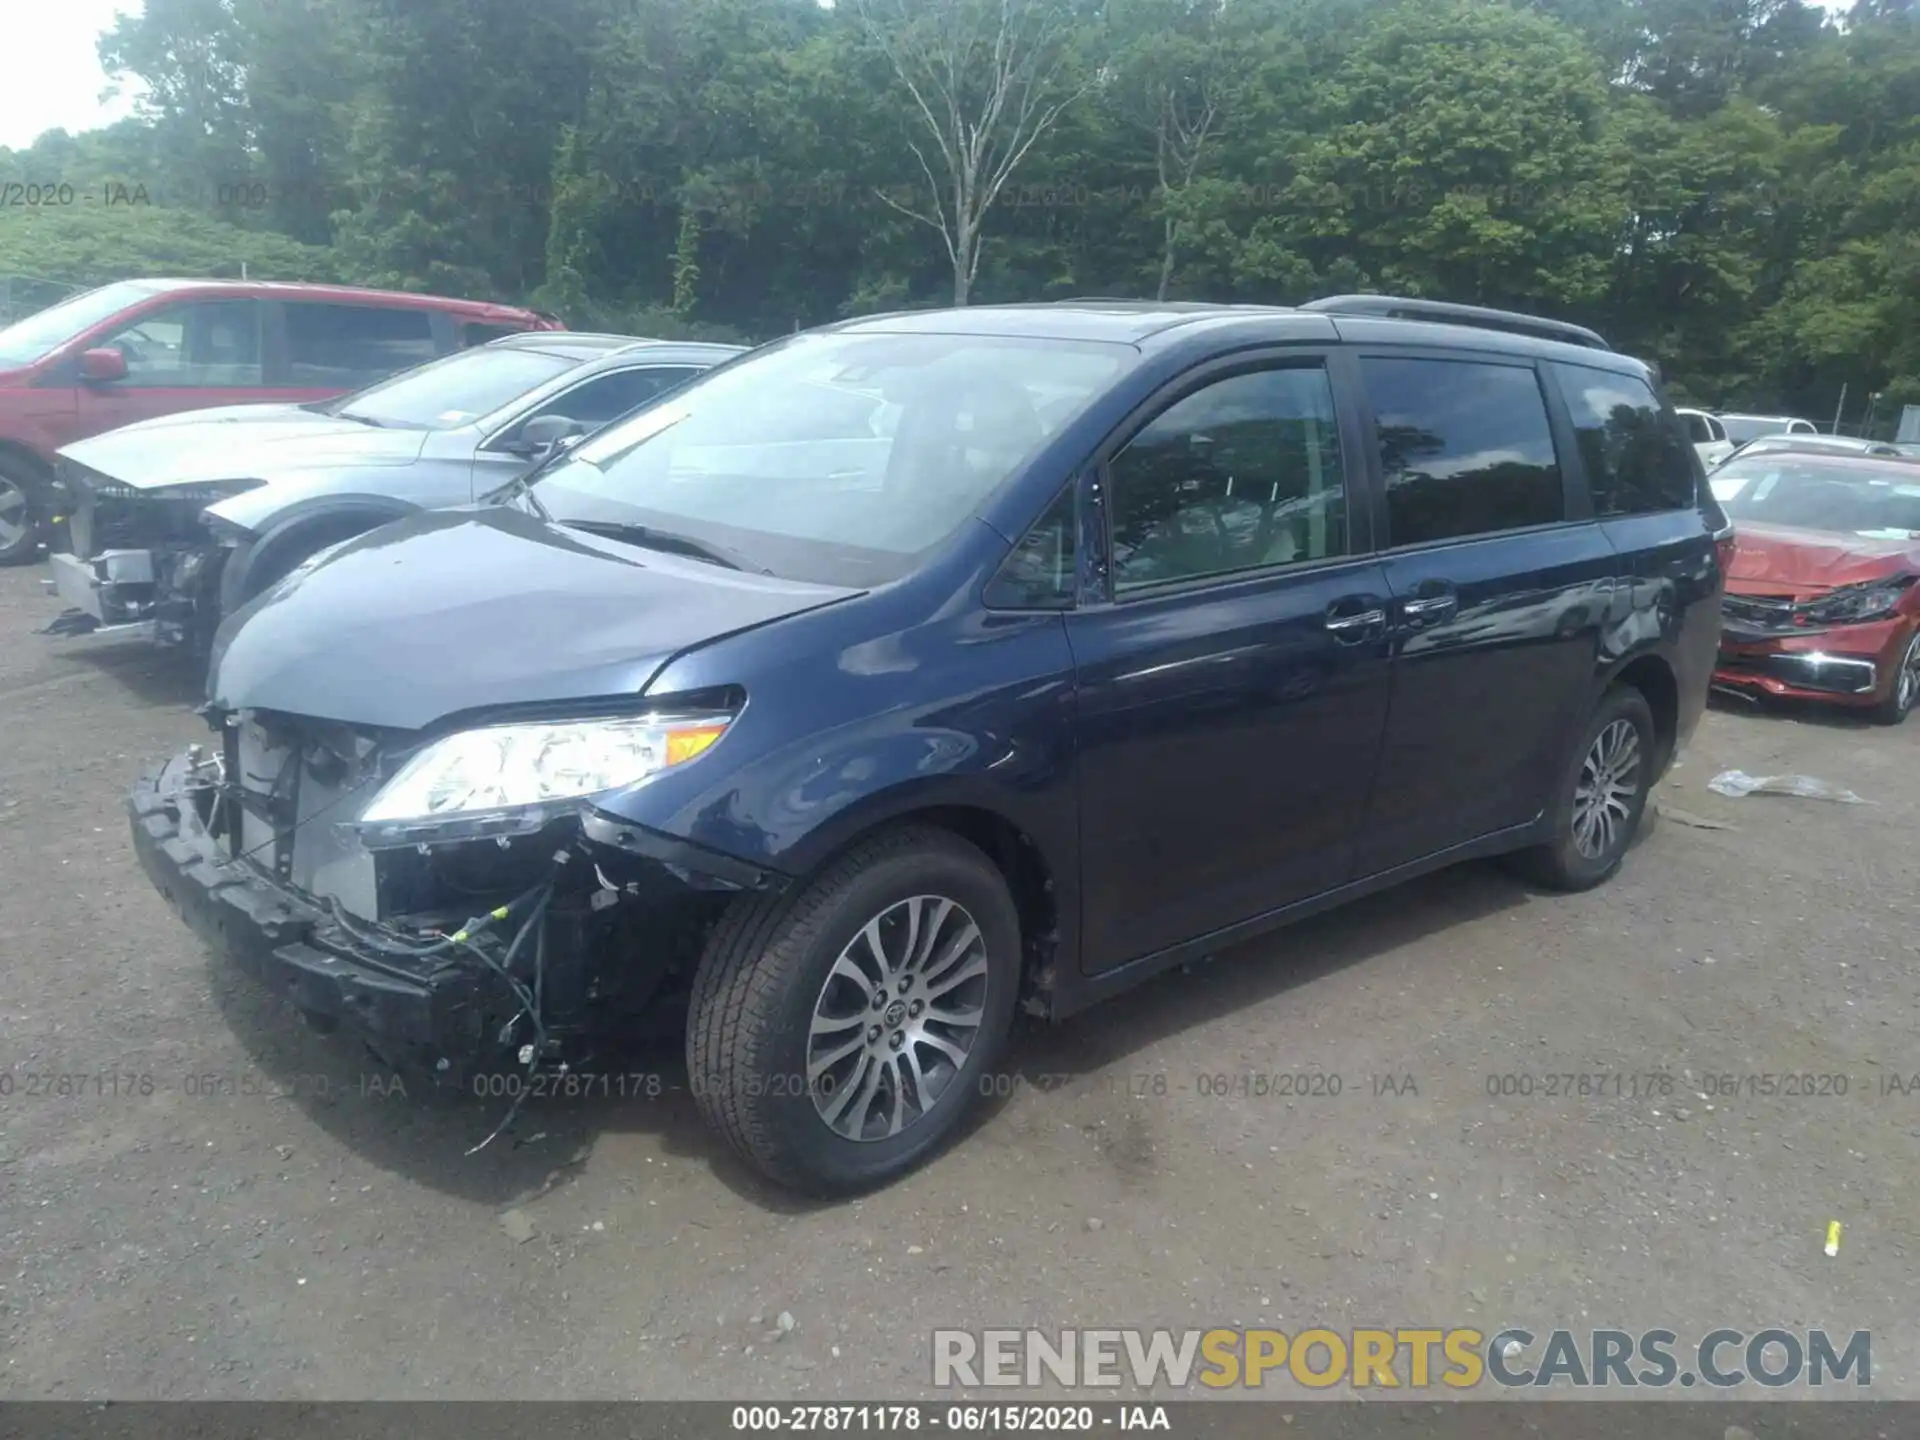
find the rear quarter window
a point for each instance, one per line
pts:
(1636, 460)
(1465, 448)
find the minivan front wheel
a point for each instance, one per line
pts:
(838, 1033)
(1600, 798)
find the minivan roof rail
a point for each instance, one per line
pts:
(1396, 307)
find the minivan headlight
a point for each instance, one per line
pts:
(512, 779)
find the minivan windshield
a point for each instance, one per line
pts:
(448, 393)
(1878, 503)
(45, 331)
(837, 458)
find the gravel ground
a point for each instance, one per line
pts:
(258, 1213)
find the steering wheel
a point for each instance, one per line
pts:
(133, 343)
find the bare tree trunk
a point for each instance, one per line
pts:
(1161, 139)
(1182, 123)
(966, 256)
(987, 79)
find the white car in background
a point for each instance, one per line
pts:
(1708, 435)
(1742, 428)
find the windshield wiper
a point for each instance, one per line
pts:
(522, 484)
(518, 487)
(649, 538)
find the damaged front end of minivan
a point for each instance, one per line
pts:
(459, 923)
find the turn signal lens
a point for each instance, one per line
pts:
(683, 745)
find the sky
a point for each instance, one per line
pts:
(53, 78)
(59, 84)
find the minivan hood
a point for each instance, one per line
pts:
(238, 442)
(1776, 559)
(460, 610)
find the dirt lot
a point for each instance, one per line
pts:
(254, 1215)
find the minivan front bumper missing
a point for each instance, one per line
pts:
(613, 939)
(414, 1012)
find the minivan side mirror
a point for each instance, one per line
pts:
(102, 366)
(541, 435)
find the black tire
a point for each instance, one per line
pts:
(1561, 862)
(253, 569)
(22, 494)
(767, 966)
(1906, 687)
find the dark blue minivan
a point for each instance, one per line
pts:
(908, 672)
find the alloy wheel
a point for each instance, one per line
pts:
(1909, 681)
(16, 516)
(1603, 797)
(898, 1016)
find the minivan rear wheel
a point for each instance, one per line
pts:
(839, 1032)
(1600, 798)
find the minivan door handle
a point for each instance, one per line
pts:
(1350, 618)
(1430, 605)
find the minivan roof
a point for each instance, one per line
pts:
(1149, 324)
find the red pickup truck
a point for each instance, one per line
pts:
(140, 348)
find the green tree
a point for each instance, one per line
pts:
(1459, 152)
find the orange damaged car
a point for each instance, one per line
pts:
(1821, 602)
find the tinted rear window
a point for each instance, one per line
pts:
(1465, 448)
(1635, 460)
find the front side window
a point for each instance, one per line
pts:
(1240, 475)
(451, 392)
(209, 344)
(1698, 430)
(1806, 492)
(840, 458)
(1465, 448)
(1635, 463)
(349, 345)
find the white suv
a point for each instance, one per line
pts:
(1708, 435)
(1742, 428)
